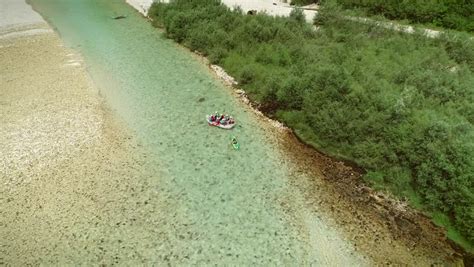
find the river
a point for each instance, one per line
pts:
(228, 207)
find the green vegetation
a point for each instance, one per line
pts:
(303, 2)
(452, 14)
(443, 220)
(399, 105)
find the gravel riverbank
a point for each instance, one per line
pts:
(69, 169)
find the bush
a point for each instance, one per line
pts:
(400, 105)
(303, 2)
(297, 15)
(456, 14)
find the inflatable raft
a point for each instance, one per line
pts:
(226, 126)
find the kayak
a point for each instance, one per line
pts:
(235, 145)
(227, 126)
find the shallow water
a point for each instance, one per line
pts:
(227, 205)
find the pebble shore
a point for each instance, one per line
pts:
(69, 169)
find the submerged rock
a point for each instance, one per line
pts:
(120, 17)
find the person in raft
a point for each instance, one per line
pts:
(215, 116)
(224, 119)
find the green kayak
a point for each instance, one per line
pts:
(234, 143)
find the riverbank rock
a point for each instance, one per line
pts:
(222, 74)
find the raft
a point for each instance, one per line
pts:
(217, 124)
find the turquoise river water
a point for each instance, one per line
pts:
(227, 205)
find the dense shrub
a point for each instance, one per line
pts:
(400, 105)
(455, 14)
(302, 2)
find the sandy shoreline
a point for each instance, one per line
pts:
(69, 168)
(50, 108)
(14, 13)
(18, 19)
